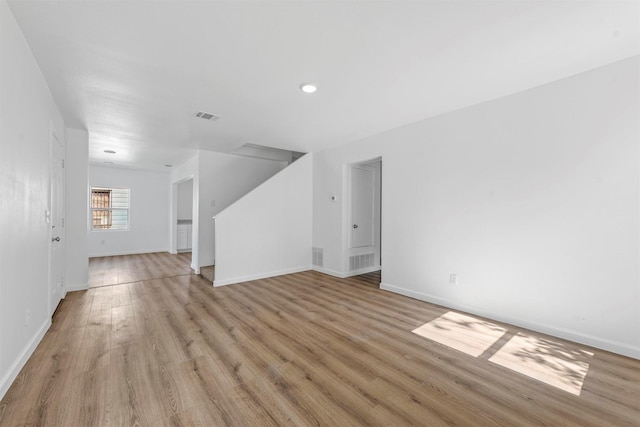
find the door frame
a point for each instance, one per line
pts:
(53, 139)
(348, 251)
(173, 227)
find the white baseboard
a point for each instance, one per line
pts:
(333, 273)
(590, 340)
(363, 271)
(345, 275)
(18, 364)
(259, 276)
(146, 251)
(77, 287)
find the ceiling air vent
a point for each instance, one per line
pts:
(206, 116)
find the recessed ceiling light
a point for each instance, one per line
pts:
(168, 166)
(109, 151)
(308, 87)
(108, 163)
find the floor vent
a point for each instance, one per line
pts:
(358, 262)
(318, 257)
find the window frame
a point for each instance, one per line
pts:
(108, 209)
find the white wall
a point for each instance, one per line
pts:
(76, 275)
(267, 232)
(218, 181)
(185, 200)
(27, 110)
(532, 199)
(224, 178)
(149, 208)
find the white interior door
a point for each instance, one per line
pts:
(56, 255)
(362, 205)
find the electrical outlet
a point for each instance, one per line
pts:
(27, 317)
(453, 279)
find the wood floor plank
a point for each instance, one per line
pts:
(114, 270)
(207, 384)
(302, 349)
(147, 389)
(95, 349)
(171, 340)
(120, 295)
(124, 327)
(83, 402)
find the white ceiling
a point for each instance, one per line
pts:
(134, 72)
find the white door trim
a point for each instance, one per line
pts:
(56, 288)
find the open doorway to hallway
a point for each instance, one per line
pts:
(184, 218)
(364, 251)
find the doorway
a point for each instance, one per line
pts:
(364, 250)
(184, 218)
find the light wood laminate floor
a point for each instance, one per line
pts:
(113, 270)
(208, 272)
(302, 350)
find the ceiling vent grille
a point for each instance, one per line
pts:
(206, 116)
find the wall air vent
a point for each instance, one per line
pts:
(206, 116)
(358, 262)
(318, 256)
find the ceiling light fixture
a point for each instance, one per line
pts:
(108, 163)
(109, 151)
(168, 166)
(308, 87)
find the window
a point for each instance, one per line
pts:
(109, 208)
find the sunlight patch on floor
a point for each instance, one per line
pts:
(545, 360)
(563, 366)
(464, 333)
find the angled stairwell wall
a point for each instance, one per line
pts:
(268, 231)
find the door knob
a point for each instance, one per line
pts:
(355, 225)
(57, 239)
